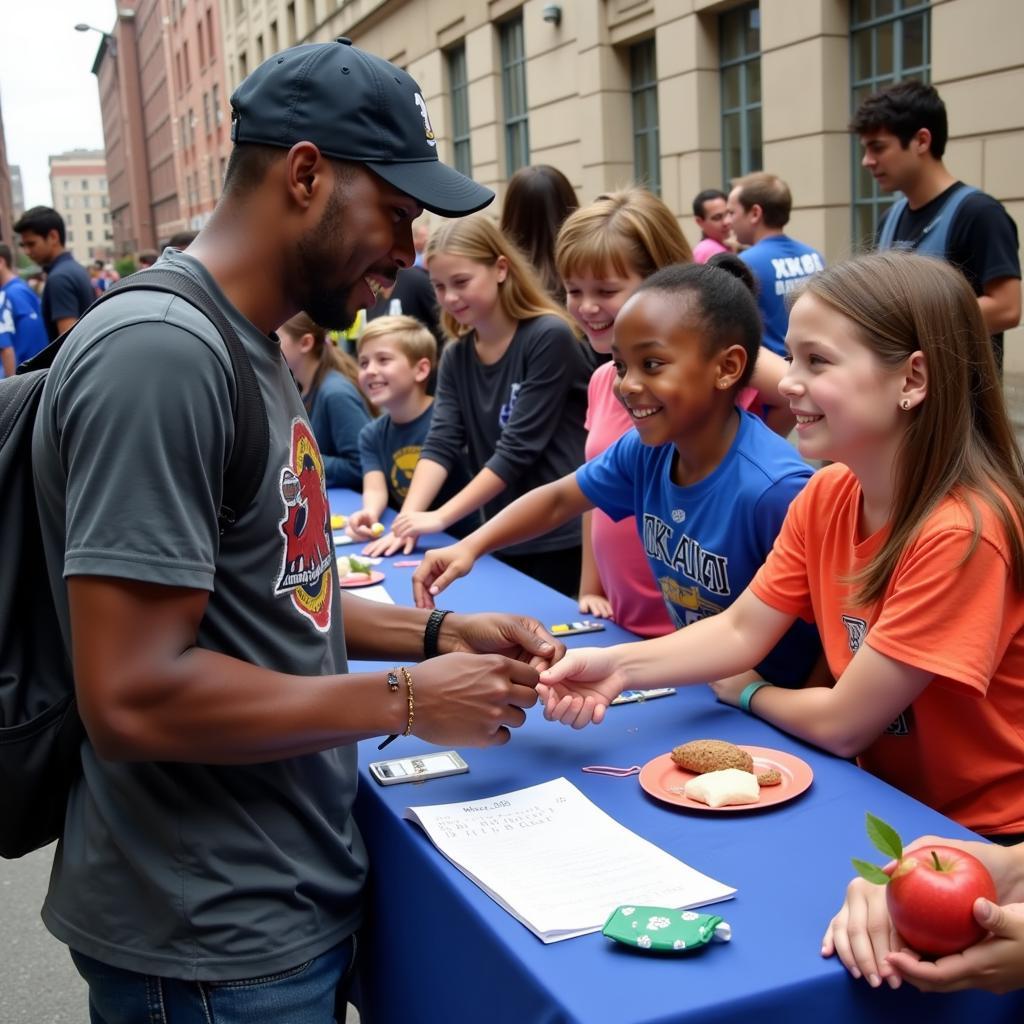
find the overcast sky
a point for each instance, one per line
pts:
(48, 93)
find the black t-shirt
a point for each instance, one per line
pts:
(412, 296)
(982, 241)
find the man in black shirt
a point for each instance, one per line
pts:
(903, 130)
(68, 292)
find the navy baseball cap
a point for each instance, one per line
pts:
(353, 106)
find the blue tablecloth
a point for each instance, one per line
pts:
(437, 948)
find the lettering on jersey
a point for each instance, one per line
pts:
(856, 630)
(403, 464)
(685, 604)
(308, 559)
(901, 726)
(790, 271)
(686, 556)
(505, 414)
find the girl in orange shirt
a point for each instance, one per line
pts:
(908, 553)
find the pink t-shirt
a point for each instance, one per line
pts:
(705, 249)
(621, 563)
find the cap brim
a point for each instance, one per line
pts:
(435, 186)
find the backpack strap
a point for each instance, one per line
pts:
(890, 223)
(250, 451)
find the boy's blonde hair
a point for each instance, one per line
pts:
(629, 231)
(769, 192)
(521, 294)
(410, 336)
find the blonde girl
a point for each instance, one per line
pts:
(327, 378)
(510, 402)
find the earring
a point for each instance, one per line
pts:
(905, 404)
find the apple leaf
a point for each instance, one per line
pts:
(871, 872)
(885, 837)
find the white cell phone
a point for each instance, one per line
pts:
(572, 628)
(639, 696)
(434, 765)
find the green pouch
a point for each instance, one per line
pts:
(664, 930)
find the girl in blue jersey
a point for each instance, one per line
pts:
(709, 483)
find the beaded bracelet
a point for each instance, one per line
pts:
(407, 676)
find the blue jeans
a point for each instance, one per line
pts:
(311, 993)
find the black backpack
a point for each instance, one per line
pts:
(40, 730)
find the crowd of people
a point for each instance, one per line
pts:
(553, 389)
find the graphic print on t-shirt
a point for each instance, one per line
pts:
(856, 631)
(308, 556)
(403, 465)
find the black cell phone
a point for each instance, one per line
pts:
(572, 628)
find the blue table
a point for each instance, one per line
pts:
(438, 949)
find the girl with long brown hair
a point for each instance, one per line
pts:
(907, 553)
(328, 380)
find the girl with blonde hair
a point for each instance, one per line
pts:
(511, 394)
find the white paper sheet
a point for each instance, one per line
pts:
(557, 862)
(375, 593)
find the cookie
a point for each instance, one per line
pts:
(711, 756)
(769, 777)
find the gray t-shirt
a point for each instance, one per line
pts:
(187, 870)
(521, 417)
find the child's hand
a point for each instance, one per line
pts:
(728, 690)
(412, 524)
(389, 545)
(596, 604)
(439, 568)
(578, 689)
(360, 525)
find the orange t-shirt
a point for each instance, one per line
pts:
(959, 747)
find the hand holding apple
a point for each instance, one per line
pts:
(930, 892)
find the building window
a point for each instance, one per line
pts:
(67, 184)
(209, 32)
(889, 40)
(67, 220)
(218, 114)
(310, 16)
(513, 91)
(458, 87)
(740, 64)
(291, 32)
(202, 48)
(70, 236)
(85, 201)
(206, 112)
(260, 55)
(184, 60)
(88, 236)
(643, 87)
(88, 218)
(85, 185)
(243, 66)
(274, 42)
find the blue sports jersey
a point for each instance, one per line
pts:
(21, 319)
(780, 264)
(705, 542)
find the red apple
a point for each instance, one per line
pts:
(931, 898)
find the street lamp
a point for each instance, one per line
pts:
(107, 37)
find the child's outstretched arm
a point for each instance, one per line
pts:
(485, 486)
(537, 512)
(578, 689)
(427, 479)
(375, 500)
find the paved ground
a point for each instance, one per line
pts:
(39, 985)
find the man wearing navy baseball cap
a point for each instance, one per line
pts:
(210, 868)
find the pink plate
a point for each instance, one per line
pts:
(358, 579)
(661, 776)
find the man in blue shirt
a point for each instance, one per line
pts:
(21, 322)
(69, 292)
(759, 208)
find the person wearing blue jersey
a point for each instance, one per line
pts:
(759, 209)
(21, 321)
(708, 483)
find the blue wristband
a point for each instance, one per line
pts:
(748, 693)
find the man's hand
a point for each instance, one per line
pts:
(518, 637)
(578, 690)
(471, 699)
(439, 567)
